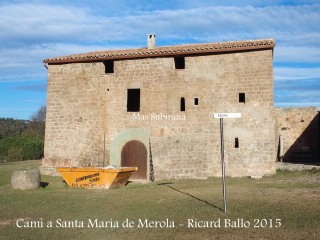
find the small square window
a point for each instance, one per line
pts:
(108, 66)
(179, 63)
(242, 97)
(196, 101)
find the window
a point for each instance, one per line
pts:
(242, 97)
(196, 101)
(133, 100)
(236, 142)
(108, 66)
(179, 63)
(182, 105)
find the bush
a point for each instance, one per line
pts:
(14, 154)
(5, 145)
(32, 148)
(22, 148)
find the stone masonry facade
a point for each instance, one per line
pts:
(299, 134)
(87, 109)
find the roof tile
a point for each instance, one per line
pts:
(165, 51)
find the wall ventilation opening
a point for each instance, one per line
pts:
(242, 97)
(196, 101)
(236, 142)
(182, 105)
(108, 66)
(179, 63)
(133, 100)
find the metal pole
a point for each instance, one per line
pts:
(104, 149)
(223, 167)
(151, 175)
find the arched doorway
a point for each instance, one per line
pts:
(134, 154)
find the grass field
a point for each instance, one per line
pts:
(283, 206)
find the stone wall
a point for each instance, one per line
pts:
(85, 104)
(299, 129)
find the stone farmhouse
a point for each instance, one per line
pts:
(153, 108)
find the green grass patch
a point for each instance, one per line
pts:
(287, 198)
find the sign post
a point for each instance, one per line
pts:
(221, 116)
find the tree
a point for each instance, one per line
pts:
(40, 115)
(37, 123)
(12, 127)
(22, 140)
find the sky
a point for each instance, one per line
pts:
(31, 31)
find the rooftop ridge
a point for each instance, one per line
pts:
(162, 51)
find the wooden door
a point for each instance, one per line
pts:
(134, 154)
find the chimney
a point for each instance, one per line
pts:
(151, 41)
